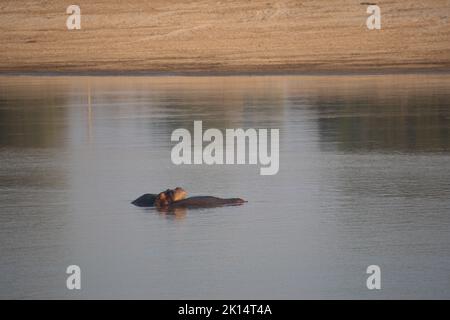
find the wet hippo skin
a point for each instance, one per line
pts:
(160, 199)
(205, 202)
(146, 200)
(176, 198)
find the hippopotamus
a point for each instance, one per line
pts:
(171, 199)
(176, 198)
(148, 199)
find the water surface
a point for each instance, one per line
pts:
(364, 179)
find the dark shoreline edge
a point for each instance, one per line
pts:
(116, 73)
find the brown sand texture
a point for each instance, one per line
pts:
(224, 36)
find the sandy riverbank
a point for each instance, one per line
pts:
(224, 36)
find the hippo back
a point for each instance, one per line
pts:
(205, 202)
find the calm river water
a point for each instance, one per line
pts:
(364, 179)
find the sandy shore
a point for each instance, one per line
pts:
(223, 36)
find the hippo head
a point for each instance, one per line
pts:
(169, 196)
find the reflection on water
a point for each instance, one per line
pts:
(364, 179)
(389, 118)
